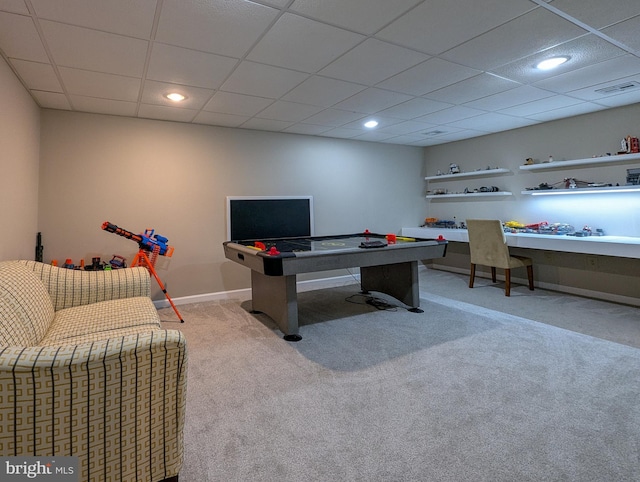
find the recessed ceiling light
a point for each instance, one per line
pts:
(371, 124)
(174, 96)
(551, 63)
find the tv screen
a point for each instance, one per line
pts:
(252, 217)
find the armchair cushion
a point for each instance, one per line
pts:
(69, 288)
(107, 319)
(25, 307)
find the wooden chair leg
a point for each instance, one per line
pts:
(472, 275)
(507, 282)
(530, 276)
(493, 274)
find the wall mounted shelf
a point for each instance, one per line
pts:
(461, 175)
(469, 195)
(591, 161)
(582, 190)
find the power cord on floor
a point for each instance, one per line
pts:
(377, 303)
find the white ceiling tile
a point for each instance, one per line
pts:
(266, 124)
(450, 115)
(218, 119)
(595, 74)
(512, 97)
(334, 117)
(372, 62)
(262, 80)
(372, 100)
(473, 88)
(277, 3)
(365, 16)
(123, 17)
(288, 111)
(343, 133)
(582, 51)
(288, 43)
(414, 108)
(428, 76)
(439, 25)
(542, 105)
(87, 49)
(382, 122)
(103, 106)
(238, 104)
(374, 137)
(19, 38)
(97, 84)
(409, 139)
(217, 26)
(14, 6)
(591, 93)
(51, 100)
(492, 122)
(162, 112)
(528, 34)
(598, 13)
(310, 129)
(38, 76)
(457, 136)
(407, 127)
(627, 32)
(618, 100)
(190, 67)
(154, 93)
(323, 91)
(570, 111)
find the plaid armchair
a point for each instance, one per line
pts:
(86, 370)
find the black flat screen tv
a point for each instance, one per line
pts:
(265, 217)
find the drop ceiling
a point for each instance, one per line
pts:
(429, 72)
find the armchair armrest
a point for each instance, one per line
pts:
(69, 288)
(117, 404)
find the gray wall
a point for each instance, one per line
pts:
(19, 158)
(175, 177)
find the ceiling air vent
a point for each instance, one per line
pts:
(434, 133)
(618, 88)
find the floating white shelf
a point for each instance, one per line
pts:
(582, 190)
(471, 194)
(591, 161)
(483, 172)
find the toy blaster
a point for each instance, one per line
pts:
(147, 240)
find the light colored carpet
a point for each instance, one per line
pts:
(461, 392)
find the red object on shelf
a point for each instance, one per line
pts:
(260, 245)
(273, 251)
(441, 237)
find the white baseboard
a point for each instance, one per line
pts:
(245, 294)
(598, 295)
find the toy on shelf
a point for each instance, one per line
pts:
(151, 243)
(118, 262)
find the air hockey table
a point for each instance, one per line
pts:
(388, 264)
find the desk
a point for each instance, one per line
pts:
(391, 269)
(619, 246)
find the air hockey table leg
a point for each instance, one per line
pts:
(276, 297)
(399, 280)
